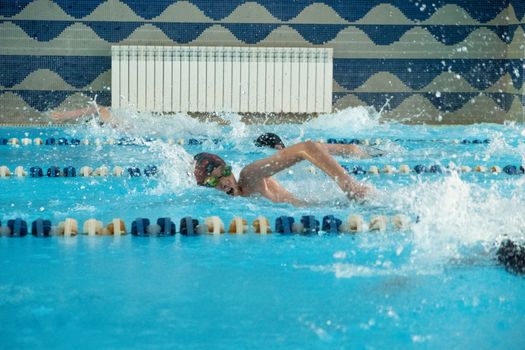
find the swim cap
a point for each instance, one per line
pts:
(269, 140)
(205, 163)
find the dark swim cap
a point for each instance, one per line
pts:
(205, 163)
(269, 140)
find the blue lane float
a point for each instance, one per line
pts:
(284, 224)
(53, 171)
(17, 227)
(435, 169)
(331, 224)
(420, 168)
(41, 228)
(134, 172)
(310, 225)
(36, 171)
(138, 227)
(188, 226)
(70, 171)
(151, 170)
(167, 227)
(358, 170)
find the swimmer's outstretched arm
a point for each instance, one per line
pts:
(315, 153)
(346, 150)
(103, 113)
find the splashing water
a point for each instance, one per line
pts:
(345, 122)
(452, 212)
(176, 168)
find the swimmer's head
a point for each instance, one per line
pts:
(270, 140)
(212, 171)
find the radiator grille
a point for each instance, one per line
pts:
(222, 79)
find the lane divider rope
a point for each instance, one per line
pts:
(152, 170)
(124, 141)
(85, 171)
(213, 225)
(509, 254)
(431, 169)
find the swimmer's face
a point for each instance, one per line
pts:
(226, 184)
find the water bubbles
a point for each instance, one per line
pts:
(340, 255)
(420, 338)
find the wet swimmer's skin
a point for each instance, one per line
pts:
(256, 178)
(103, 113)
(272, 140)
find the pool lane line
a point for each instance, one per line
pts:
(212, 225)
(510, 254)
(152, 170)
(85, 171)
(137, 141)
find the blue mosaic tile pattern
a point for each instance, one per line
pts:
(481, 10)
(252, 33)
(416, 74)
(482, 68)
(72, 69)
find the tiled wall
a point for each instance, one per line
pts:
(451, 61)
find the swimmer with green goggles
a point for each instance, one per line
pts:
(256, 178)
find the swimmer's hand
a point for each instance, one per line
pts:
(359, 191)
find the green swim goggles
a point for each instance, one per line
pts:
(213, 181)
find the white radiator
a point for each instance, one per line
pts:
(222, 79)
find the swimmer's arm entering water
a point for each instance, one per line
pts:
(254, 174)
(345, 150)
(103, 113)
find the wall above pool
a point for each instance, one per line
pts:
(448, 61)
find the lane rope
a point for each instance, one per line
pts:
(213, 225)
(152, 170)
(135, 141)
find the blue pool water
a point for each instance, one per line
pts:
(434, 285)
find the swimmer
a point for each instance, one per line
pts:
(103, 113)
(256, 178)
(512, 255)
(271, 140)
